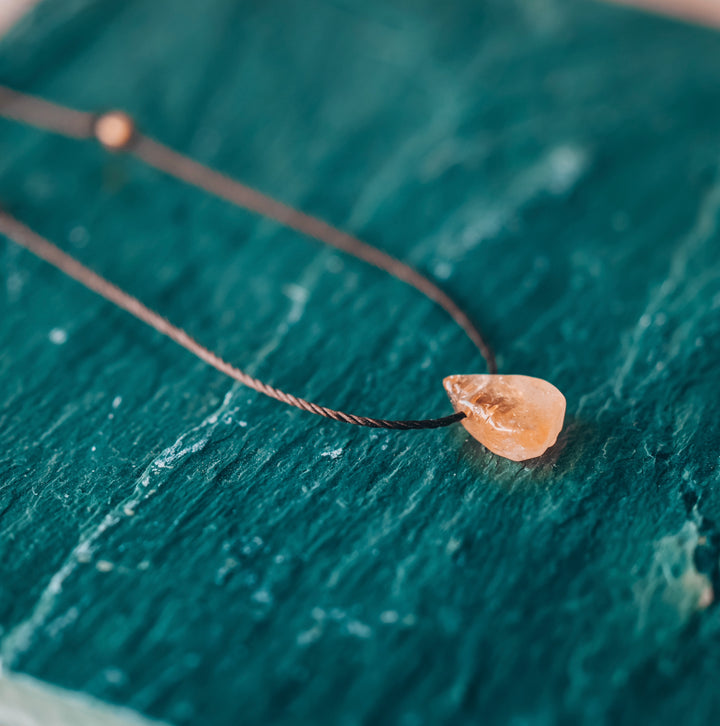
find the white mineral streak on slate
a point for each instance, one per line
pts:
(58, 336)
(673, 589)
(25, 701)
(334, 618)
(554, 173)
(21, 637)
(678, 286)
(298, 295)
(13, 274)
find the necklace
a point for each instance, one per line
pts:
(517, 417)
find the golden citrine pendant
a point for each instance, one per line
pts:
(518, 417)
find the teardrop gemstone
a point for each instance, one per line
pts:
(518, 417)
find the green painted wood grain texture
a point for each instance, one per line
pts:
(176, 544)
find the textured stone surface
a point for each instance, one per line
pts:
(518, 417)
(181, 546)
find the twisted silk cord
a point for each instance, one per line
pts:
(81, 125)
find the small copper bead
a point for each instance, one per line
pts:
(114, 130)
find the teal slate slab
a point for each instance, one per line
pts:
(179, 545)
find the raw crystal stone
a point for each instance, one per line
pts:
(518, 417)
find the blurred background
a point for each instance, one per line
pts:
(175, 547)
(702, 11)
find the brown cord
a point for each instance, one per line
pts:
(58, 119)
(45, 115)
